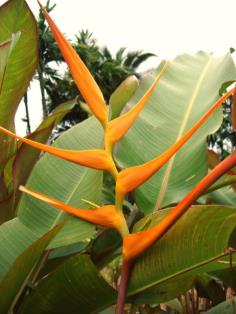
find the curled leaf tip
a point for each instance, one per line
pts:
(106, 216)
(83, 78)
(118, 127)
(96, 159)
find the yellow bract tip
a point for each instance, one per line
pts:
(84, 80)
(118, 127)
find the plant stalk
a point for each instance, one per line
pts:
(28, 129)
(42, 90)
(123, 287)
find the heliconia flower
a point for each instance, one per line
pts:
(106, 216)
(83, 78)
(96, 159)
(131, 178)
(136, 243)
(117, 128)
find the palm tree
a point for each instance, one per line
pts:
(107, 70)
(48, 52)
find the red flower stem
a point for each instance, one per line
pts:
(123, 287)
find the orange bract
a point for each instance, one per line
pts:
(84, 80)
(117, 128)
(131, 178)
(135, 244)
(97, 158)
(106, 216)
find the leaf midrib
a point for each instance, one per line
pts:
(165, 181)
(178, 273)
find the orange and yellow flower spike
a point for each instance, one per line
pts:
(83, 78)
(96, 159)
(106, 216)
(131, 178)
(118, 127)
(135, 244)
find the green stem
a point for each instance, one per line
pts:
(119, 203)
(108, 149)
(114, 171)
(124, 230)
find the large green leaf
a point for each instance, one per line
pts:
(5, 51)
(168, 269)
(195, 244)
(105, 247)
(226, 195)
(227, 273)
(14, 239)
(15, 16)
(188, 88)
(75, 287)
(16, 278)
(67, 182)
(187, 247)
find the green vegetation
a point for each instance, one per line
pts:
(127, 211)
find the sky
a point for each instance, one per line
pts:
(164, 27)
